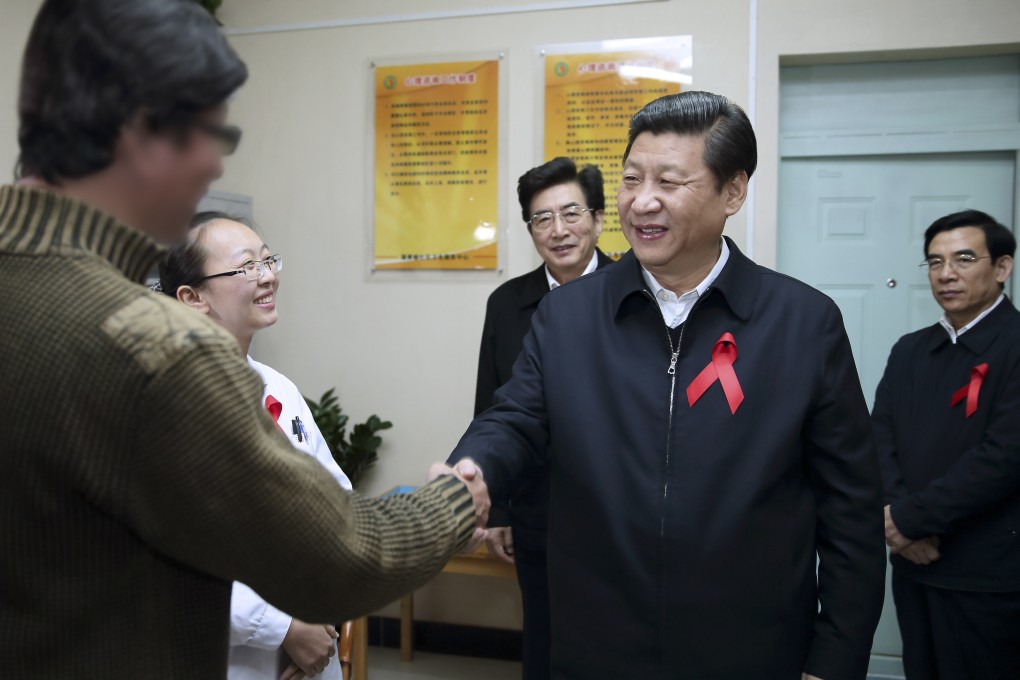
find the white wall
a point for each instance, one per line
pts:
(407, 351)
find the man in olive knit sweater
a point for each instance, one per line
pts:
(139, 473)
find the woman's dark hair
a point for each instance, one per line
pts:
(998, 239)
(561, 171)
(184, 265)
(90, 66)
(730, 144)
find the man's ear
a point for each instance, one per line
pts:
(143, 150)
(736, 192)
(132, 138)
(1003, 268)
(192, 298)
(599, 219)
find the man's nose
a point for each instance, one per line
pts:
(947, 273)
(645, 200)
(559, 226)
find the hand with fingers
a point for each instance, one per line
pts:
(922, 551)
(893, 538)
(292, 672)
(310, 646)
(501, 543)
(468, 472)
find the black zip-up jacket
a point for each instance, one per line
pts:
(683, 539)
(948, 475)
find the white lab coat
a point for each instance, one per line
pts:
(257, 628)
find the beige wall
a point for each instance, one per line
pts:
(407, 351)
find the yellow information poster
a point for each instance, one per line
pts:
(436, 203)
(590, 97)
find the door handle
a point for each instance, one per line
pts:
(891, 283)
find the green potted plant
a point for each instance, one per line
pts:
(357, 453)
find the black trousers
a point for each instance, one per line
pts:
(956, 634)
(533, 577)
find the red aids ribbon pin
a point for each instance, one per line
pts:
(719, 368)
(970, 391)
(275, 408)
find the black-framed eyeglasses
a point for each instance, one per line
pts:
(252, 269)
(958, 262)
(227, 136)
(570, 215)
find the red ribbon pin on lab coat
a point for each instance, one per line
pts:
(275, 408)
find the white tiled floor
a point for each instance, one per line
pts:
(385, 664)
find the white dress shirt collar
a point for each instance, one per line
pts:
(592, 266)
(675, 308)
(954, 334)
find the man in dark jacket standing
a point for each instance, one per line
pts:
(563, 209)
(947, 421)
(723, 444)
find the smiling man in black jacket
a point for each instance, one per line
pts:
(947, 421)
(723, 444)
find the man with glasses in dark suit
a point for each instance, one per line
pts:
(947, 421)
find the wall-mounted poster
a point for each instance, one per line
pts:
(436, 160)
(592, 90)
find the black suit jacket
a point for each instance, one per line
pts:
(507, 320)
(946, 474)
(683, 538)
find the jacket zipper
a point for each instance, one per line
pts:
(674, 355)
(671, 371)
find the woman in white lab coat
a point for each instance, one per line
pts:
(226, 272)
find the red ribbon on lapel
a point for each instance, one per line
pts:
(719, 368)
(970, 391)
(275, 408)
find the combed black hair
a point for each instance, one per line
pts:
(90, 66)
(998, 239)
(561, 170)
(730, 143)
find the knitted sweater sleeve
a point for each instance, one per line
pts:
(215, 485)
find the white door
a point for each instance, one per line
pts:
(853, 227)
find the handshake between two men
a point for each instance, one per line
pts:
(468, 472)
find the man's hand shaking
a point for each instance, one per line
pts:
(468, 472)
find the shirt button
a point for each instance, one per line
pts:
(663, 296)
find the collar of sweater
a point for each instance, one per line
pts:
(38, 222)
